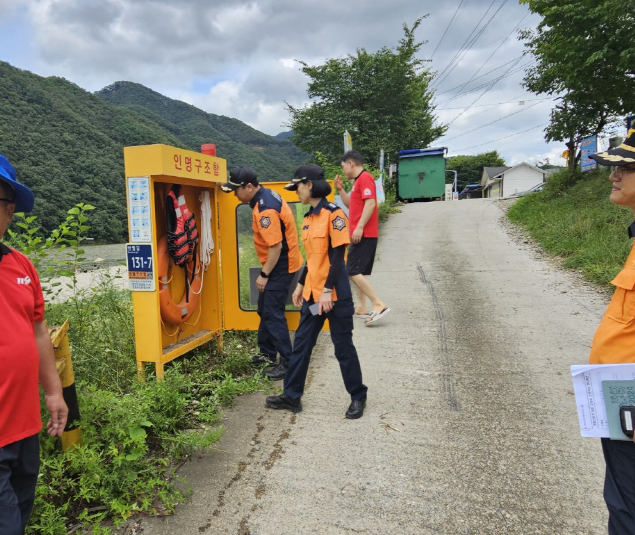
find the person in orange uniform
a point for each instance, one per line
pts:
(323, 292)
(614, 343)
(276, 241)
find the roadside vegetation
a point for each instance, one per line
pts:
(134, 434)
(572, 218)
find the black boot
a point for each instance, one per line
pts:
(277, 373)
(263, 358)
(284, 402)
(356, 409)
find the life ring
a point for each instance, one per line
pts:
(171, 312)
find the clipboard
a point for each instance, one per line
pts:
(617, 394)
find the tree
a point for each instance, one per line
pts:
(585, 57)
(383, 99)
(470, 168)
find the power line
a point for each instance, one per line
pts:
(482, 94)
(501, 138)
(464, 43)
(481, 76)
(504, 75)
(448, 27)
(493, 122)
(515, 99)
(495, 50)
(473, 42)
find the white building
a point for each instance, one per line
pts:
(509, 180)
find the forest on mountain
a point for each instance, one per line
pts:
(67, 143)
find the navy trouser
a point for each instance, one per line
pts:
(19, 467)
(619, 485)
(273, 331)
(341, 324)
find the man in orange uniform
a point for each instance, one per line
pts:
(323, 292)
(614, 343)
(276, 241)
(26, 355)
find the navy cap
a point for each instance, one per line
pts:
(22, 196)
(238, 177)
(304, 173)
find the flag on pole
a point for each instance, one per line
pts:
(348, 141)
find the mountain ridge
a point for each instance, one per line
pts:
(66, 143)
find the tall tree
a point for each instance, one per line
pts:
(383, 99)
(470, 168)
(585, 57)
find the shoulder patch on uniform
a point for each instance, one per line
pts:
(367, 191)
(332, 205)
(265, 221)
(276, 195)
(339, 223)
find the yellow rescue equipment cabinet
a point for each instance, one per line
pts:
(177, 309)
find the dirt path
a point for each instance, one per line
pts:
(470, 427)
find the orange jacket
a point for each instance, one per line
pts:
(614, 340)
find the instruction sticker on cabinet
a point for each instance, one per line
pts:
(140, 267)
(139, 209)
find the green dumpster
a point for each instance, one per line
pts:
(421, 174)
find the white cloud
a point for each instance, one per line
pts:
(238, 57)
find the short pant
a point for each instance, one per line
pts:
(361, 257)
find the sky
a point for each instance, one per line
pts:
(240, 58)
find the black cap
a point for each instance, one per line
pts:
(304, 173)
(238, 177)
(619, 156)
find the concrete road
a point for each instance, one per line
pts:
(471, 425)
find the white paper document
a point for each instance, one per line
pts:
(589, 399)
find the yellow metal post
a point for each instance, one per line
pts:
(59, 338)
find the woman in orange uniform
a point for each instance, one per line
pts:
(323, 292)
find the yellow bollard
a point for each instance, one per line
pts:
(59, 337)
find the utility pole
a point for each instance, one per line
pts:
(455, 182)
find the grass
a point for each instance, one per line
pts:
(134, 435)
(574, 220)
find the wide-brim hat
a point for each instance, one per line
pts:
(305, 173)
(22, 196)
(238, 177)
(619, 156)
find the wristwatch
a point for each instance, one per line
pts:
(327, 290)
(264, 275)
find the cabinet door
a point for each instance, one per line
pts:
(239, 263)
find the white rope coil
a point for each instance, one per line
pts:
(206, 245)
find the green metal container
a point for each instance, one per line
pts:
(421, 174)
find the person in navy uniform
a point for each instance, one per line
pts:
(276, 242)
(323, 292)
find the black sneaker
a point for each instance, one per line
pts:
(277, 373)
(284, 402)
(356, 409)
(263, 358)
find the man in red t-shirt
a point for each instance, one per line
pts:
(364, 222)
(26, 355)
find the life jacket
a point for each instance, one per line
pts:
(182, 233)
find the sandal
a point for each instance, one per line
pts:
(376, 316)
(361, 316)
